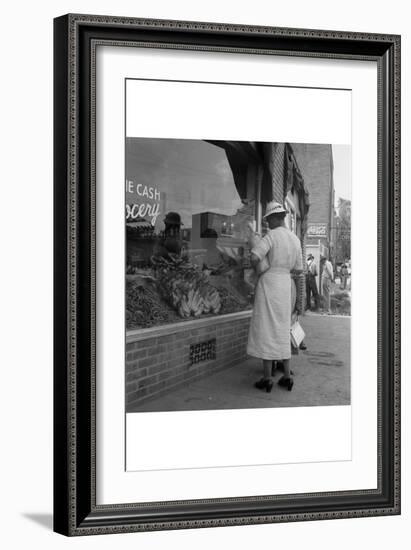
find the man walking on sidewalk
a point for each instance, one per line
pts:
(310, 282)
(327, 275)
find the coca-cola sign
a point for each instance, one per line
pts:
(317, 230)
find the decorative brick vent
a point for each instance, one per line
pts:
(203, 351)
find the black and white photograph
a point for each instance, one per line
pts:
(238, 274)
(205, 236)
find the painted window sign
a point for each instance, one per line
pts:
(148, 205)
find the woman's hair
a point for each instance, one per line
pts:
(277, 216)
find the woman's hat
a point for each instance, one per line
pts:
(274, 207)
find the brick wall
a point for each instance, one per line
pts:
(156, 364)
(315, 163)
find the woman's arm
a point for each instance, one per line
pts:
(253, 237)
(254, 260)
(259, 247)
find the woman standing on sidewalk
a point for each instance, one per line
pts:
(269, 334)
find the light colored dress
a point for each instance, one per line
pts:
(269, 334)
(326, 278)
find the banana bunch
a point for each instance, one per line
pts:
(211, 299)
(191, 304)
(186, 287)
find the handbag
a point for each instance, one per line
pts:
(297, 334)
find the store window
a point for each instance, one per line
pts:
(188, 203)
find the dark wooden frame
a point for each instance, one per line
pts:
(75, 40)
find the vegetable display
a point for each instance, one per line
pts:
(185, 287)
(174, 289)
(230, 301)
(144, 307)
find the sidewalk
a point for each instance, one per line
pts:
(321, 376)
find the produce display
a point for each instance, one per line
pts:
(185, 286)
(173, 289)
(230, 300)
(144, 307)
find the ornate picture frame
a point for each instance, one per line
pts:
(76, 39)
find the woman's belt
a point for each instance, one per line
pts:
(279, 270)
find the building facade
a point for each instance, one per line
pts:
(316, 164)
(204, 327)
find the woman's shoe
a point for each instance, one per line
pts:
(269, 386)
(260, 384)
(278, 366)
(286, 382)
(264, 384)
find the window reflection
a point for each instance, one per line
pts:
(187, 207)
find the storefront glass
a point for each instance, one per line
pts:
(187, 209)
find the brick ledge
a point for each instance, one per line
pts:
(136, 335)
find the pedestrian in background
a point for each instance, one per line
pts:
(327, 276)
(311, 283)
(344, 276)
